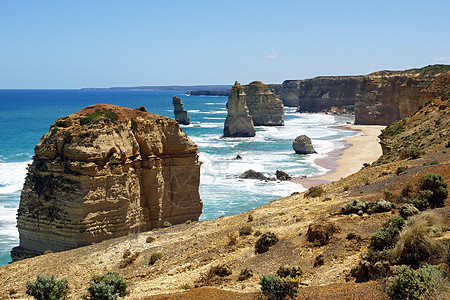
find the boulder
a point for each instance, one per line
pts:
(110, 172)
(181, 115)
(302, 145)
(238, 123)
(252, 174)
(281, 175)
(264, 106)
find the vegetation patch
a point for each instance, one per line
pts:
(285, 271)
(314, 192)
(47, 288)
(245, 230)
(274, 287)
(245, 274)
(104, 115)
(155, 257)
(320, 232)
(109, 286)
(265, 241)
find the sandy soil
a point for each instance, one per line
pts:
(364, 148)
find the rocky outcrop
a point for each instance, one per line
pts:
(320, 93)
(388, 96)
(252, 174)
(104, 172)
(264, 106)
(238, 123)
(281, 175)
(180, 113)
(302, 145)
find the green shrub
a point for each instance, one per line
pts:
(410, 153)
(438, 187)
(107, 287)
(430, 163)
(245, 230)
(428, 282)
(274, 287)
(314, 192)
(245, 273)
(134, 125)
(386, 237)
(128, 258)
(406, 210)
(154, 257)
(98, 115)
(167, 224)
(68, 137)
(47, 288)
(265, 241)
(379, 206)
(407, 190)
(356, 206)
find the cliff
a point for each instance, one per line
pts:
(104, 172)
(181, 115)
(238, 122)
(320, 93)
(388, 96)
(264, 106)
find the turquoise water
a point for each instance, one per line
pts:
(25, 115)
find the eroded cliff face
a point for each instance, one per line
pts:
(320, 93)
(238, 123)
(388, 96)
(264, 106)
(104, 172)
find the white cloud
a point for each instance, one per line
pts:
(272, 55)
(442, 59)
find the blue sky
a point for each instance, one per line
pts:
(75, 44)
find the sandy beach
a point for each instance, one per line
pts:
(364, 148)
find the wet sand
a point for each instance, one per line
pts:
(364, 148)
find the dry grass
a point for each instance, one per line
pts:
(418, 241)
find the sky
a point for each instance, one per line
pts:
(75, 44)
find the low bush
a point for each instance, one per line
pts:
(411, 153)
(47, 288)
(388, 235)
(107, 287)
(245, 274)
(314, 192)
(359, 207)
(437, 186)
(167, 224)
(155, 257)
(417, 241)
(320, 232)
(128, 258)
(285, 271)
(406, 210)
(427, 282)
(274, 287)
(245, 230)
(68, 137)
(401, 170)
(265, 241)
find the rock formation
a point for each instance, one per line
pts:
(302, 145)
(180, 113)
(388, 96)
(264, 106)
(104, 172)
(238, 122)
(252, 174)
(281, 175)
(320, 93)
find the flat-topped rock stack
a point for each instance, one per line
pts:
(264, 106)
(238, 123)
(103, 172)
(181, 115)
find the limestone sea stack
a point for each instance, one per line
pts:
(103, 172)
(180, 113)
(238, 122)
(264, 106)
(302, 145)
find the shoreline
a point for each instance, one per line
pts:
(360, 149)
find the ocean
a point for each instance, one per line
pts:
(25, 115)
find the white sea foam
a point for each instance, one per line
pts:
(12, 176)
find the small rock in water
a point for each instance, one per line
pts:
(238, 157)
(281, 175)
(252, 174)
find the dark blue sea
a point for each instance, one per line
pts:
(25, 115)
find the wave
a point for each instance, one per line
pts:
(12, 176)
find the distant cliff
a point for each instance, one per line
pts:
(209, 93)
(320, 93)
(103, 172)
(388, 96)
